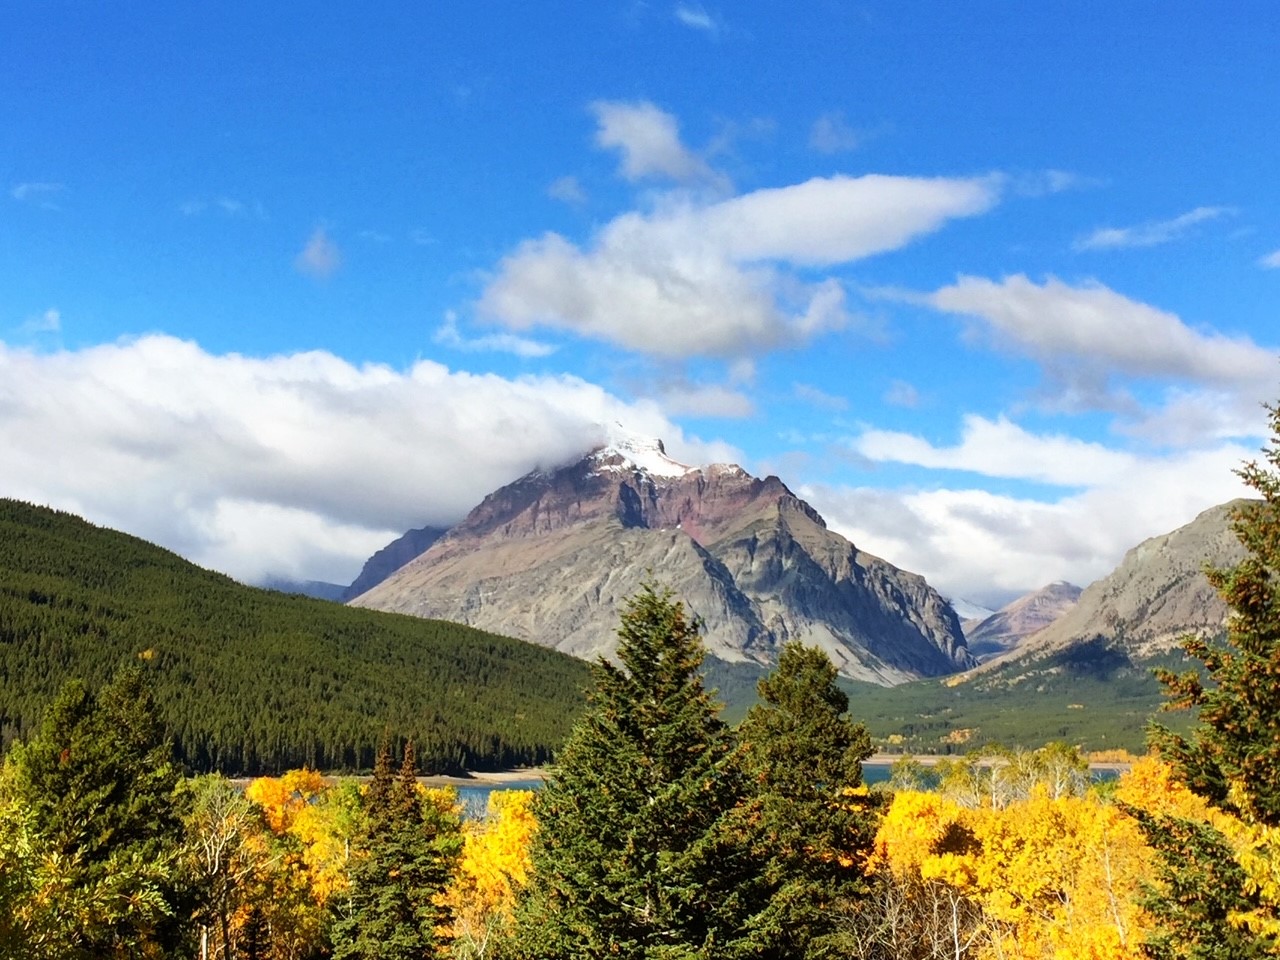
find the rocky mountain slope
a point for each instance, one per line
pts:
(551, 557)
(1007, 627)
(1157, 595)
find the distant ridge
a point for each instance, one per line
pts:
(1013, 623)
(1157, 594)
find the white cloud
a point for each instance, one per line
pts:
(1271, 261)
(831, 133)
(448, 335)
(1100, 332)
(567, 190)
(705, 278)
(320, 258)
(989, 547)
(649, 140)
(299, 464)
(1000, 448)
(1152, 233)
(696, 17)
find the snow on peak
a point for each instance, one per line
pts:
(643, 453)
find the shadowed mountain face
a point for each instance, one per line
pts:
(391, 558)
(1011, 624)
(551, 558)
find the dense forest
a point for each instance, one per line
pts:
(251, 681)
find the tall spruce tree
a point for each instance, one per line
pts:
(1232, 757)
(806, 820)
(406, 855)
(99, 785)
(629, 860)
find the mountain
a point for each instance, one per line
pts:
(1156, 595)
(1087, 677)
(1006, 628)
(968, 611)
(551, 557)
(253, 681)
(390, 559)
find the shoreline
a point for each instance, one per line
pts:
(932, 759)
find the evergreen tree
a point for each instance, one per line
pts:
(1232, 757)
(1237, 742)
(806, 819)
(1201, 888)
(99, 786)
(629, 861)
(408, 850)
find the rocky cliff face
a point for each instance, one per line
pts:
(1013, 623)
(1156, 596)
(551, 557)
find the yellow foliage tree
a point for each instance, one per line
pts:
(1049, 875)
(494, 865)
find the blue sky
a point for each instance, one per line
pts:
(992, 285)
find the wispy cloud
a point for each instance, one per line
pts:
(48, 322)
(1044, 182)
(831, 133)
(567, 190)
(1271, 261)
(1152, 233)
(706, 400)
(39, 193)
(819, 398)
(902, 394)
(696, 17)
(226, 206)
(320, 258)
(448, 335)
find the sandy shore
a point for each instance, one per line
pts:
(486, 778)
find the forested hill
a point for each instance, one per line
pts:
(253, 681)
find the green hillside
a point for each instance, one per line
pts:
(1091, 695)
(254, 681)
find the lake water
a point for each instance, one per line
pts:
(475, 800)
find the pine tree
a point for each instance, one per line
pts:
(1237, 742)
(98, 783)
(629, 861)
(406, 856)
(1232, 757)
(806, 819)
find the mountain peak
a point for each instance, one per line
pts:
(623, 450)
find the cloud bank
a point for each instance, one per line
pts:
(297, 465)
